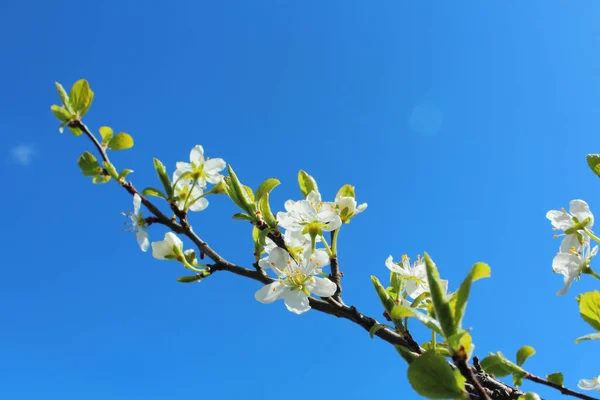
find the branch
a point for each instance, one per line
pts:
(560, 388)
(331, 306)
(467, 372)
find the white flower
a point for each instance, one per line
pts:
(561, 220)
(138, 223)
(296, 282)
(589, 384)
(347, 207)
(169, 249)
(571, 264)
(182, 192)
(309, 216)
(295, 241)
(415, 275)
(279, 257)
(201, 170)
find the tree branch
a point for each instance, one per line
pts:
(560, 388)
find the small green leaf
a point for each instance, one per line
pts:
(249, 192)
(399, 311)
(64, 97)
(438, 298)
(111, 170)
(190, 279)
(266, 187)
(530, 396)
(461, 343)
(242, 217)
(524, 353)
(557, 378)
(517, 380)
(150, 191)
(307, 183)
(406, 354)
(480, 270)
(590, 336)
(593, 161)
(346, 191)
(265, 209)
(88, 164)
(81, 97)
(387, 302)
(121, 141)
(589, 308)
(375, 328)
(431, 377)
(161, 171)
(75, 131)
(498, 365)
(107, 133)
(440, 348)
(123, 174)
(101, 178)
(398, 284)
(60, 113)
(245, 202)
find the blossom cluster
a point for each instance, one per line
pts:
(299, 270)
(575, 252)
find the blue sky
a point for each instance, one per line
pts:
(460, 123)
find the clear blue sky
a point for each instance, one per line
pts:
(460, 123)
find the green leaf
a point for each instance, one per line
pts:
(498, 365)
(557, 378)
(75, 131)
(150, 191)
(399, 311)
(111, 170)
(440, 348)
(121, 141)
(530, 396)
(88, 164)
(242, 217)
(161, 171)
(81, 97)
(398, 284)
(107, 133)
(524, 353)
(190, 279)
(438, 298)
(480, 270)
(64, 97)
(517, 380)
(375, 328)
(406, 354)
(245, 202)
(266, 187)
(307, 183)
(589, 308)
(387, 302)
(461, 343)
(346, 191)
(101, 178)
(593, 161)
(431, 377)
(265, 209)
(249, 192)
(123, 174)
(590, 336)
(60, 113)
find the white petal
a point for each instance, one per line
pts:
(296, 301)
(142, 239)
(566, 264)
(214, 166)
(279, 258)
(199, 205)
(389, 262)
(271, 292)
(568, 242)
(347, 202)
(559, 219)
(161, 249)
(313, 196)
(360, 208)
(173, 240)
(137, 201)
(333, 224)
(323, 287)
(197, 155)
(587, 384)
(581, 210)
(317, 261)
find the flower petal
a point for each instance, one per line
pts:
(214, 166)
(137, 201)
(559, 219)
(296, 301)
(173, 240)
(197, 155)
(271, 292)
(199, 205)
(142, 239)
(587, 384)
(323, 287)
(389, 262)
(581, 210)
(161, 249)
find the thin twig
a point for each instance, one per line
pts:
(560, 388)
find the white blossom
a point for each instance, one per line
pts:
(589, 384)
(202, 170)
(562, 220)
(138, 223)
(571, 264)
